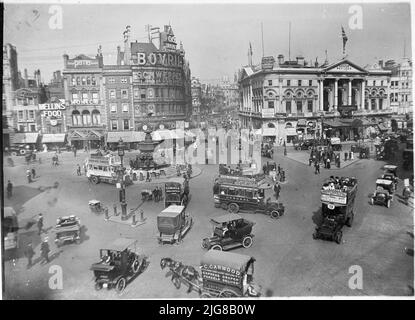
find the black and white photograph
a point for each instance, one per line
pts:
(189, 150)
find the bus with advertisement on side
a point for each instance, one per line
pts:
(105, 169)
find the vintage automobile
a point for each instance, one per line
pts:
(336, 144)
(330, 229)
(381, 197)
(176, 192)
(386, 184)
(391, 169)
(391, 177)
(67, 229)
(304, 145)
(229, 231)
(173, 223)
(119, 263)
(96, 206)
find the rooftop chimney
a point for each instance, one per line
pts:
(26, 79)
(280, 59)
(300, 60)
(65, 60)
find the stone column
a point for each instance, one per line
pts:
(349, 92)
(321, 95)
(335, 94)
(362, 95)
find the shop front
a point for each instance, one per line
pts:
(53, 141)
(290, 133)
(25, 140)
(86, 138)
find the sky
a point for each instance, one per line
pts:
(215, 37)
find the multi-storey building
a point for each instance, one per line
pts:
(161, 89)
(290, 99)
(196, 99)
(85, 110)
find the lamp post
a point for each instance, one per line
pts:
(121, 153)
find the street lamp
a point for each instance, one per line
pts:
(121, 153)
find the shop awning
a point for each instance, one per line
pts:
(115, 136)
(334, 123)
(53, 138)
(24, 138)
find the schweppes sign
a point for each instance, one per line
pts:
(165, 59)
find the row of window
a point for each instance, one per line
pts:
(395, 97)
(125, 124)
(300, 106)
(122, 80)
(30, 114)
(113, 93)
(26, 101)
(144, 93)
(124, 107)
(292, 83)
(84, 81)
(22, 128)
(86, 97)
(395, 85)
(86, 118)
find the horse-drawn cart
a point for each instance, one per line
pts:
(223, 275)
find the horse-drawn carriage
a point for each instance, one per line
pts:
(223, 275)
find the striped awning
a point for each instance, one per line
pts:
(53, 138)
(25, 137)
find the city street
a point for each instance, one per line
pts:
(288, 261)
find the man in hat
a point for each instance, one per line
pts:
(29, 253)
(40, 223)
(9, 189)
(44, 249)
(29, 175)
(78, 170)
(277, 189)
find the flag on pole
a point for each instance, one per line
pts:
(344, 40)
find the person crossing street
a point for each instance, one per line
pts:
(29, 253)
(44, 249)
(277, 189)
(9, 189)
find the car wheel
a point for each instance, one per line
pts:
(338, 237)
(120, 285)
(176, 281)
(135, 266)
(388, 204)
(350, 220)
(98, 286)
(275, 214)
(247, 242)
(233, 208)
(205, 243)
(217, 247)
(14, 153)
(95, 179)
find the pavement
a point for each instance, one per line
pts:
(288, 261)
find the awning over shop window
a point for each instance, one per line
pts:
(334, 123)
(53, 138)
(115, 136)
(25, 138)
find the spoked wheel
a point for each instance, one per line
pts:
(338, 237)
(95, 180)
(136, 266)
(227, 293)
(120, 286)
(247, 242)
(233, 208)
(217, 247)
(275, 214)
(176, 281)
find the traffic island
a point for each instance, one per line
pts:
(132, 219)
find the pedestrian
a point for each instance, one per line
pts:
(279, 169)
(40, 224)
(406, 192)
(328, 163)
(29, 175)
(277, 189)
(317, 166)
(33, 173)
(78, 170)
(44, 249)
(9, 189)
(74, 151)
(264, 169)
(29, 253)
(345, 156)
(351, 155)
(338, 161)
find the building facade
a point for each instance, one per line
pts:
(196, 100)
(85, 109)
(401, 86)
(290, 99)
(161, 84)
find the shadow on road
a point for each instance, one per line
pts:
(317, 217)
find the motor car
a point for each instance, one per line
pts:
(67, 229)
(120, 262)
(330, 229)
(173, 223)
(386, 185)
(305, 145)
(229, 231)
(381, 197)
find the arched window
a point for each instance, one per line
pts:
(86, 117)
(288, 125)
(96, 117)
(76, 118)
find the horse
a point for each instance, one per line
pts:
(191, 275)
